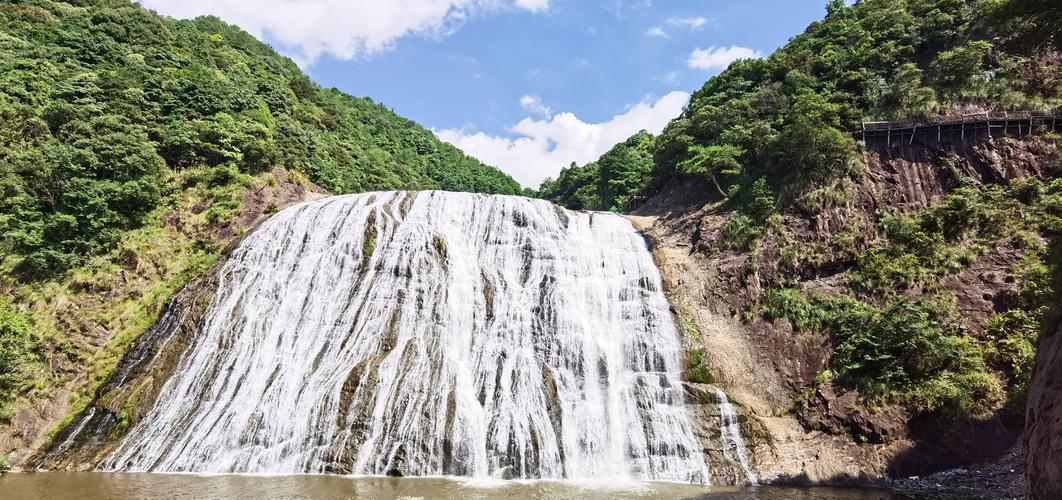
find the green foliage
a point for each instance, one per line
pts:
(962, 69)
(575, 187)
(947, 237)
(896, 341)
(697, 370)
(17, 348)
(102, 102)
(809, 146)
(754, 205)
(1036, 21)
(711, 160)
(911, 349)
(369, 245)
(789, 116)
(607, 184)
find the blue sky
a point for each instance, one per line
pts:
(525, 85)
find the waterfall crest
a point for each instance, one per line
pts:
(429, 333)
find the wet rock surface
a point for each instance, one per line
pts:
(1000, 479)
(318, 346)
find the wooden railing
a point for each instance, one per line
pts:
(970, 126)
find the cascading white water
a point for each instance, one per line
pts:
(733, 444)
(429, 333)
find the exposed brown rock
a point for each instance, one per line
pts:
(834, 410)
(1043, 427)
(770, 371)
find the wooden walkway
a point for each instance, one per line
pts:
(975, 126)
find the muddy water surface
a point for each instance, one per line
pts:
(92, 485)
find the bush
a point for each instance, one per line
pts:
(16, 349)
(697, 370)
(911, 349)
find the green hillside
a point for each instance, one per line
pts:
(102, 102)
(786, 117)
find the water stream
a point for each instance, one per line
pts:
(733, 444)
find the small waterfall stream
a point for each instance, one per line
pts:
(430, 333)
(733, 444)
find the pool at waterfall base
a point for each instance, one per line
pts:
(92, 485)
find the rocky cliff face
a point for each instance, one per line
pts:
(1043, 424)
(804, 429)
(134, 387)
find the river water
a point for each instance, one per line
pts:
(107, 485)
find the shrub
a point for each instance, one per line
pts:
(911, 349)
(16, 349)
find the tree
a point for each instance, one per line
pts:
(624, 170)
(835, 7)
(962, 69)
(810, 147)
(711, 160)
(912, 98)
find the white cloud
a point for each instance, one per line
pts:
(538, 149)
(693, 23)
(720, 57)
(307, 29)
(533, 104)
(656, 31)
(533, 5)
(690, 23)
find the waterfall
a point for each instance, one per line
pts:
(733, 444)
(429, 333)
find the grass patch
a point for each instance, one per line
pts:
(698, 371)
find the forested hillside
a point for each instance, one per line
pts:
(103, 101)
(787, 117)
(129, 145)
(609, 182)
